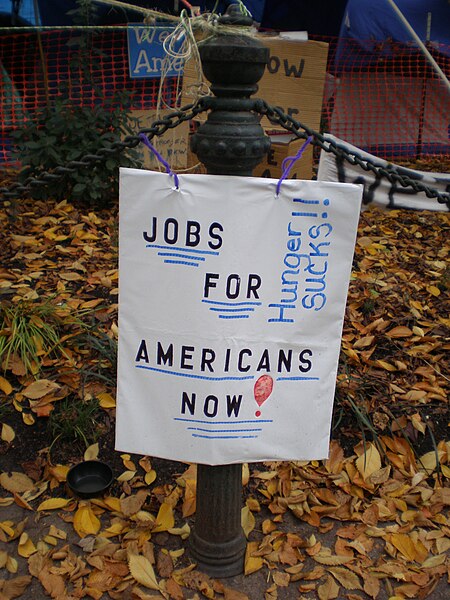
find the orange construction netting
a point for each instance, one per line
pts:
(392, 105)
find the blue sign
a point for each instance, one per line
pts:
(146, 55)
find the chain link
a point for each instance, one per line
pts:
(157, 129)
(274, 114)
(390, 172)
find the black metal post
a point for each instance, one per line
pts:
(231, 142)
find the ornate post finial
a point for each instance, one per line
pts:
(232, 141)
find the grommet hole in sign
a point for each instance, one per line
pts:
(289, 162)
(144, 139)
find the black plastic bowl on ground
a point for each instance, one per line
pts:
(89, 478)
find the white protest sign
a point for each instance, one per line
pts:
(230, 315)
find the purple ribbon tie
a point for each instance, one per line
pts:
(289, 162)
(144, 139)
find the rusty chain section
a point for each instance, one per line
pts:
(189, 112)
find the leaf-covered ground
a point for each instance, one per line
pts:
(371, 522)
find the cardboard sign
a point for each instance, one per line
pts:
(172, 145)
(230, 315)
(146, 54)
(294, 79)
(379, 190)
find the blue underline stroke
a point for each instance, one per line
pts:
(304, 214)
(181, 255)
(225, 437)
(181, 262)
(193, 376)
(222, 430)
(232, 303)
(183, 249)
(297, 378)
(229, 423)
(235, 310)
(233, 316)
(303, 201)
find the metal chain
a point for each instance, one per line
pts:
(275, 115)
(390, 172)
(157, 129)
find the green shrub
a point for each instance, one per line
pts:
(64, 132)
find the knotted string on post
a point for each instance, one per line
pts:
(289, 162)
(144, 139)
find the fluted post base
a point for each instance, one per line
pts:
(217, 543)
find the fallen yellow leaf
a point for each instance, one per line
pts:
(106, 400)
(150, 477)
(142, 571)
(28, 418)
(112, 503)
(164, 519)
(53, 504)
(183, 532)
(85, 522)
(247, 521)
(328, 590)
(404, 544)
(59, 472)
(12, 565)
(348, 579)
(39, 388)
(190, 498)
(385, 365)
(3, 558)
(26, 547)
(6, 526)
(7, 434)
(364, 342)
(20, 501)
(16, 482)
(252, 563)
(399, 332)
(14, 588)
(429, 461)
(126, 476)
(369, 461)
(324, 557)
(57, 533)
(434, 561)
(91, 452)
(5, 386)
(245, 474)
(434, 291)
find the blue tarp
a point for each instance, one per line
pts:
(368, 26)
(26, 13)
